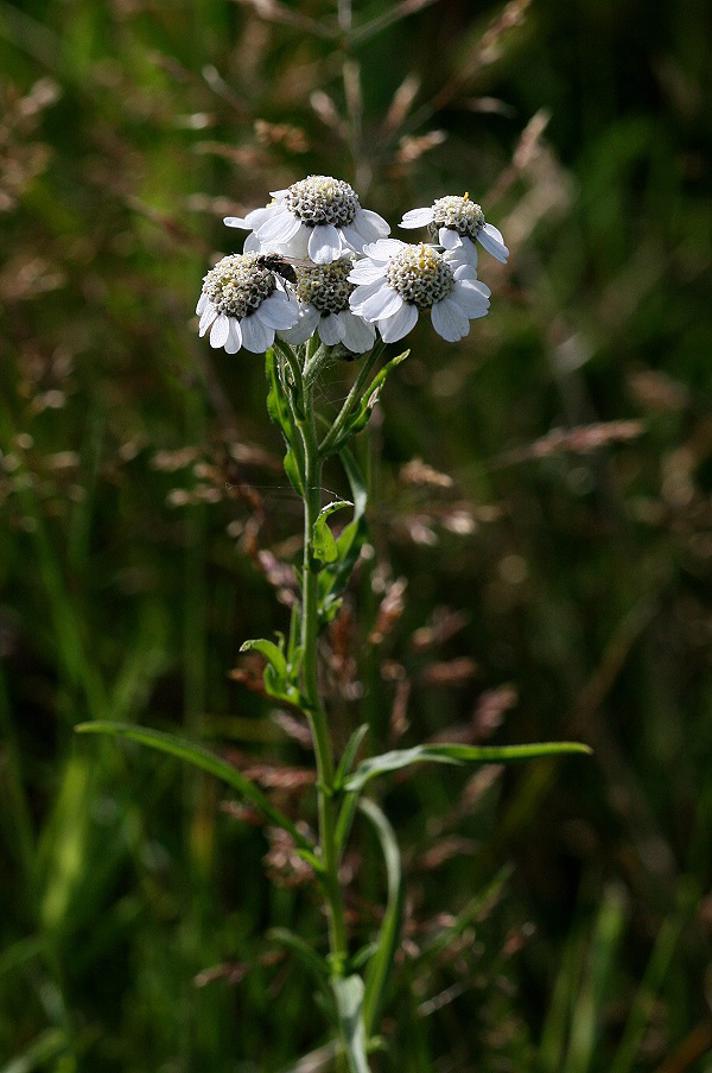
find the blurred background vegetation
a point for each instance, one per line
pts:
(540, 531)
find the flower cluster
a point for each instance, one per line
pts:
(315, 263)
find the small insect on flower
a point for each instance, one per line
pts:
(323, 292)
(397, 280)
(458, 221)
(243, 303)
(285, 266)
(318, 217)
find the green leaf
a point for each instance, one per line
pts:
(272, 653)
(349, 755)
(294, 475)
(349, 992)
(323, 541)
(458, 754)
(360, 417)
(345, 820)
(279, 411)
(381, 963)
(277, 406)
(200, 758)
(347, 811)
(278, 676)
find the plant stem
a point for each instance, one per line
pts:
(310, 684)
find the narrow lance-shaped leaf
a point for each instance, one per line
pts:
(277, 406)
(349, 754)
(381, 963)
(200, 758)
(359, 419)
(278, 410)
(458, 754)
(349, 992)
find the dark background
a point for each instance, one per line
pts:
(556, 553)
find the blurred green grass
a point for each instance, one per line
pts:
(558, 918)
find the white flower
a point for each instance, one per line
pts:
(318, 217)
(243, 304)
(397, 280)
(323, 293)
(459, 221)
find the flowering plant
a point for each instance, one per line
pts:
(319, 280)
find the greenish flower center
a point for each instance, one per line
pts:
(459, 214)
(238, 284)
(320, 199)
(420, 275)
(326, 287)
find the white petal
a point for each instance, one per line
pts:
(258, 217)
(461, 252)
(234, 339)
(253, 219)
(384, 249)
(493, 242)
(370, 225)
(353, 237)
(207, 317)
(475, 285)
(296, 246)
(364, 292)
(471, 302)
(417, 218)
(256, 335)
(384, 303)
(449, 320)
(366, 271)
(279, 194)
(304, 328)
(220, 331)
(252, 243)
(279, 227)
(202, 302)
(449, 238)
(359, 336)
(324, 244)
(279, 311)
(399, 324)
(331, 330)
(465, 272)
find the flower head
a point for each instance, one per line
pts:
(318, 217)
(243, 303)
(323, 293)
(397, 280)
(458, 221)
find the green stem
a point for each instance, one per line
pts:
(310, 685)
